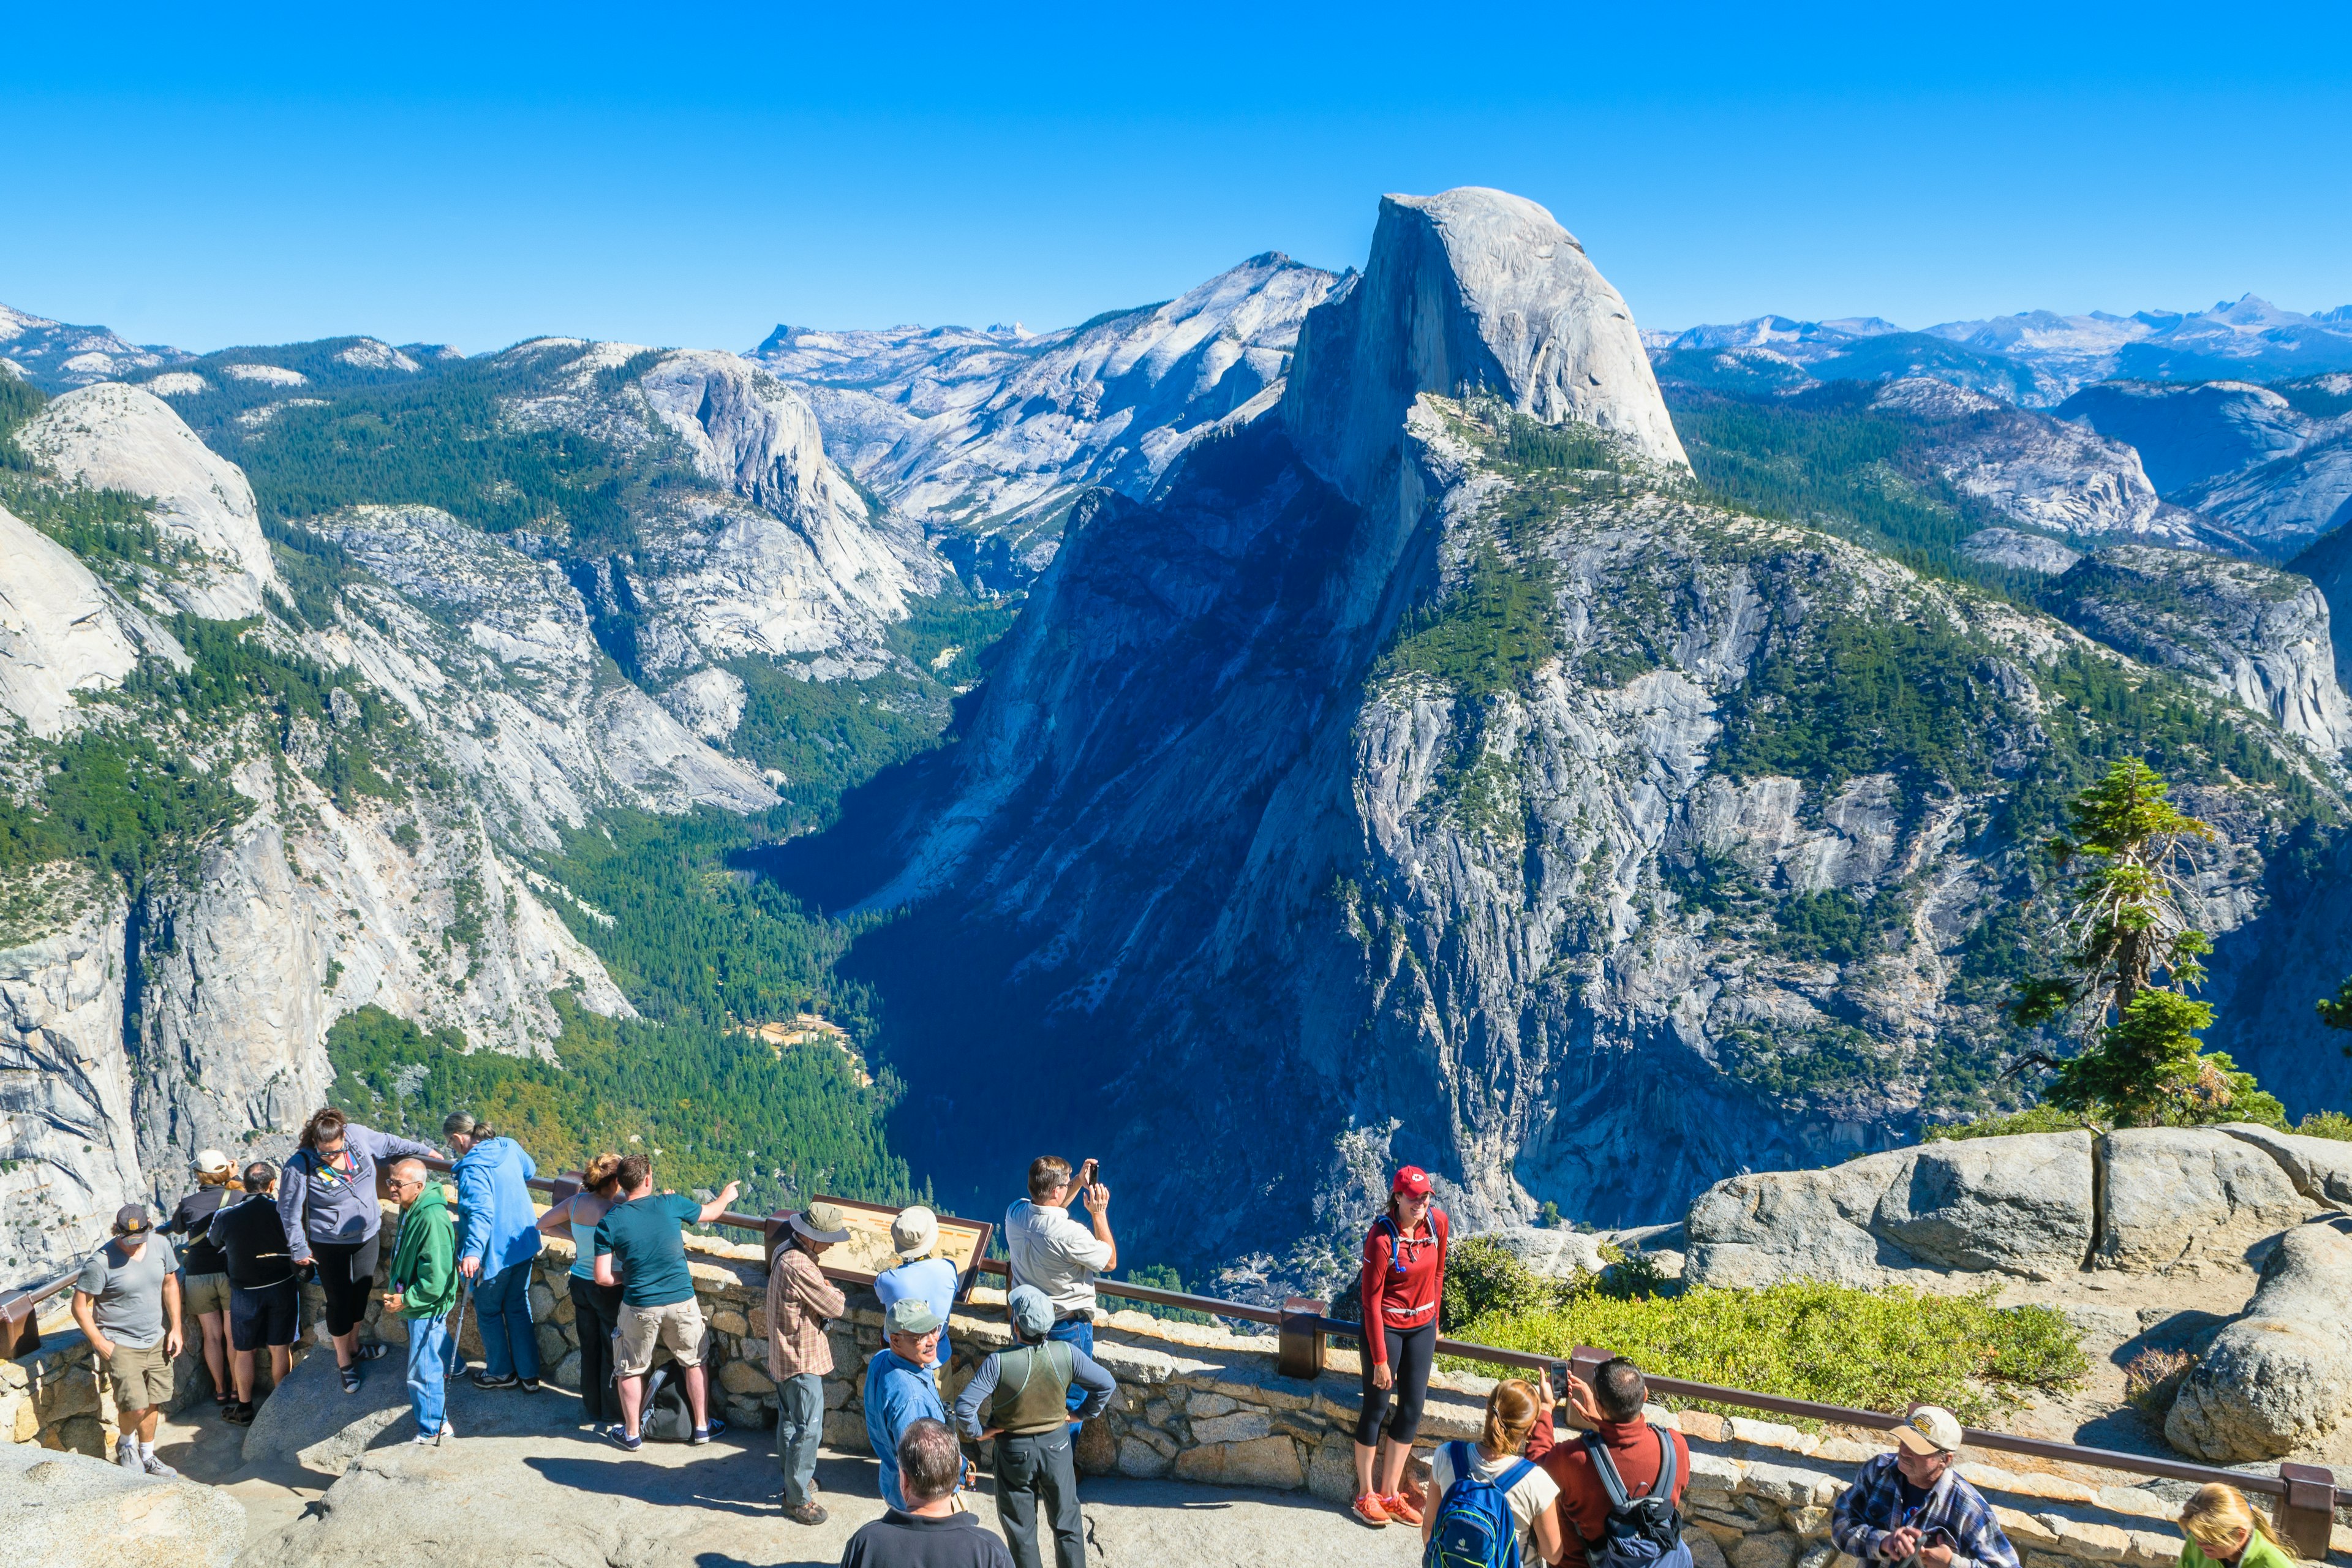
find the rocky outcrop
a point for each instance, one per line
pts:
(2018, 1205)
(56, 357)
(69, 1509)
(2019, 551)
(1467, 289)
(986, 437)
(2250, 633)
(2280, 1377)
(2190, 432)
(2320, 1168)
(59, 634)
(2185, 1198)
(111, 436)
(68, 1155)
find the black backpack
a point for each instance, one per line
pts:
(1645, 1531)
(665, 1417)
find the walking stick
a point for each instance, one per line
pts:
(464, 1290)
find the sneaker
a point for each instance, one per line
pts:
(484, 1380)
(374, 1350)
(126, 1454)
(1398, 1506)
(625, 1438)
(806, 1513)
(350, 1378)
(1369, 1510)
(155, 1466)
(702, 1435)
(531, 1384)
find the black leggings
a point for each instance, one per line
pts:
(595, 1314)
(1410, 1352)
(346, 1273)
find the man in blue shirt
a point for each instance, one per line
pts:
(498, 1236)
(915, 1234)
(899, 1387)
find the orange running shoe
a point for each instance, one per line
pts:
(1369, 1510)
(1398, 1506)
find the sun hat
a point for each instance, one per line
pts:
(910, 1315)
(1411, 1181)
(1930, 1429)
(821, 1222)
(130, 1219)
(1030, 1311)
(914, 1231)
(211, 1161)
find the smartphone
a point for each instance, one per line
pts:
(1090, 1173)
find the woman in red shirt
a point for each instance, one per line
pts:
(1404, 1276)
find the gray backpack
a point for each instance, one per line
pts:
(1645, 1531)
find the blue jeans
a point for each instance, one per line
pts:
(428, 1366)
(1081, 1333)
(502, 1306)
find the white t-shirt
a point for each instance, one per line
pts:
(1533, 1493)
(1054, 1253)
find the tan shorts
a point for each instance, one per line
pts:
(204, 1294)
(677, 1325)
(141, 1376)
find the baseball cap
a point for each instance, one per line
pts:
(1930, 1429)
(1029, 1309)
(911, 1315)
(1412, 1181)
(130, 1219)
(211, 1161)
(914, 1231)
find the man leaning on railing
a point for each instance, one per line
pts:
(1913, 1507)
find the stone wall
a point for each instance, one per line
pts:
(1198, 1403)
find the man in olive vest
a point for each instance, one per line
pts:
(1021, 1398)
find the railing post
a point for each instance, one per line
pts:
(1299, 1348)
(2306, 1515)
(20, 1325)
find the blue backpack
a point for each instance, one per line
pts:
(1473, 1528)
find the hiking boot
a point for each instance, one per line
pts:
(155, 1466)
(805, 1513)
(1367, 1508)
(484, 1380)
(1398, 1506)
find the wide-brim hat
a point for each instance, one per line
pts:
(821, 1222)
(914, 1231)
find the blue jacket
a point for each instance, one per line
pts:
(500, 1227)
(898, 1395)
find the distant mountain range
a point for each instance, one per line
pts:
(2034, 359)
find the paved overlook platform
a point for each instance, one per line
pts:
(531, 1487)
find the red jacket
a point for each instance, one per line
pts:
(1407, 1300)
(1583, 1501)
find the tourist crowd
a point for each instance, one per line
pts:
(1609, 1496)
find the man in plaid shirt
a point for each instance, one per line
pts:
(1912, 1503)
(800, 1300)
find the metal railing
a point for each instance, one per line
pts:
(2305, 1494)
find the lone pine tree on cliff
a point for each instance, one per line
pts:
(2124, 928)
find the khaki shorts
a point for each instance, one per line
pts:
(204, 1294)
(677, 1325)
(141, 1376)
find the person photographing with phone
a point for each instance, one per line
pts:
(1912, 1506)
(1060, 1257)
(1404, 1281)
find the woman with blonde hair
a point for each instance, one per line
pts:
(596, 1308)
(203, 1285)
(1478, 1492)
(2225, 1531)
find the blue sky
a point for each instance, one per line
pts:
(479, 175)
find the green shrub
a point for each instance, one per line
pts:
(2327, 1124)
(1873, 1349)
(2032, 1119)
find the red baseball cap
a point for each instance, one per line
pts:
(1413, 1180)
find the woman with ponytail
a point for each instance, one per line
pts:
(2225, 1531)
(1458, 1473)
(596, 1308)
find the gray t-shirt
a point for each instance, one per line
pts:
(130, 1290)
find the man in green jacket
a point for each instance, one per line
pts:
(424, 1287)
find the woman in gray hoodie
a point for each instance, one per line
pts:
(326, 1199)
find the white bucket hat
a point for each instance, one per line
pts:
(914, 1231)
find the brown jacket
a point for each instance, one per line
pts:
(800, 1298)
(1583, 1502)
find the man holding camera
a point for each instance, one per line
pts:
(1059, 1257)
(1913, 1505)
